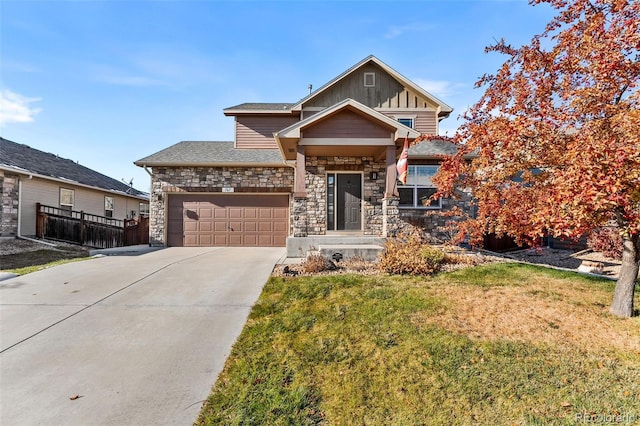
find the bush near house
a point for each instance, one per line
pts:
(410, 255)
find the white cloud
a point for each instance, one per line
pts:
(400, 30)
(440, 88)
(15, 108)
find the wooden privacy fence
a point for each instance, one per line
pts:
(136, 231)
(85, 228)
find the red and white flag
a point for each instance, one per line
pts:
(403, 162)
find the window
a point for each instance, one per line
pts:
(144, 209)
(108, 206)
(416, 193)
(407, 121)
(67, 198)
(369, 79)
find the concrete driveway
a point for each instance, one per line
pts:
(140, 339)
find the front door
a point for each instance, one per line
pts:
(348, 202)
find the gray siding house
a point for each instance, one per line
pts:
(318, 171)
(29, 176)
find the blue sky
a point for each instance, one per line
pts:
(106, 83)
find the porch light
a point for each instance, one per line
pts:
(374, 175)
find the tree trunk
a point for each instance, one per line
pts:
(622, 304)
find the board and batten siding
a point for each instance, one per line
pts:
(46, 192)
(387, 92)
(255, 132)
(347, 124)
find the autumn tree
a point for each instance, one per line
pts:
(557, 134)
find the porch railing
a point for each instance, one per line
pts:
(79, 227)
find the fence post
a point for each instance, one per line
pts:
(39, 221)
(82, 228)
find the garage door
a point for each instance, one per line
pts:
(228, 220)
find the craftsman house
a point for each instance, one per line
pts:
(318, 171)
(30, 177)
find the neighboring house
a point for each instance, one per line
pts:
(29, 176)
(322, 170)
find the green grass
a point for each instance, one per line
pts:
(34, 268)
(349, 349)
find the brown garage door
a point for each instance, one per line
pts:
(228, 220)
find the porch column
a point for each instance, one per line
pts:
(300, 189)
(390, 185)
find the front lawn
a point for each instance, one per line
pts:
(498, 344)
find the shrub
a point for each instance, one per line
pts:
(315, 263)
(606, 241)
(410, 255)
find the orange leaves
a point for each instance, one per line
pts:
(557, 131)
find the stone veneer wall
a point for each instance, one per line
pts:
(437, 227)
(9, 213)
(210, 180)
(316, 185)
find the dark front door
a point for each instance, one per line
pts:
(348, 202)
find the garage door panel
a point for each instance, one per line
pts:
(281, 213)
(250, 240)
(265, 226)
(250, 213)
(190, 226)
(227, 220)
(205, 213)
(235, 213)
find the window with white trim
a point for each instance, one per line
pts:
(419, 188)
(108, 206)
(144, 209)
(407, 121)
(67, 198)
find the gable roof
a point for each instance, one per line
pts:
(23, 159)
(293, 131)
(209, 153)
(445, 109)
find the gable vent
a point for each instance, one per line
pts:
(369, 79)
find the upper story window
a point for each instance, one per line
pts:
(67, 199)
(419, 188)
(369, 79)
(407, 121)
(108, 206)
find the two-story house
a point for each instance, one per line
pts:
(318, 171)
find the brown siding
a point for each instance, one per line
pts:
(425, 121)
(257, 131)
(346, 124)
(387, 93)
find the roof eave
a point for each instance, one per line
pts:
(26, 172)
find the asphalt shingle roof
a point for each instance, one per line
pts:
(31, 160)
(195, 153)
(434, 148)
(265, 106)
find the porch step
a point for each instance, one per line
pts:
(368, 252)
(299, 246)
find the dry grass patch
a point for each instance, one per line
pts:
(551, 308)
